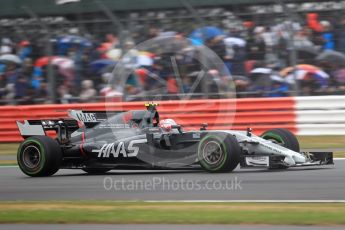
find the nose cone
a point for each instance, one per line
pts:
(289, 160)
(299, 159)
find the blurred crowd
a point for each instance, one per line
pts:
(258, 60)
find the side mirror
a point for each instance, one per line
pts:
(203, 127)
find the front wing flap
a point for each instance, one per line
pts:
(274, 161)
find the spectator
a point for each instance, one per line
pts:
(24, 49)
(328, 36)
(88, 93)
(64, 95)
(6, 46)
(340, 44)
(256, 47)
(266, 44)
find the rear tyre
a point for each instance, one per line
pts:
(39, 156)
(96, 171)
(219, 153)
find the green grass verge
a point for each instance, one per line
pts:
(172, 213)
(339, 155)
(8, 149)
(8, 162)
(322, 142)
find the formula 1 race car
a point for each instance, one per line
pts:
(97, 142)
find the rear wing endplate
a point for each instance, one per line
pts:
(27, 129)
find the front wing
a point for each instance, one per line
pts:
(275, 161)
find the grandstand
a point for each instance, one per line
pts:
(274, 33)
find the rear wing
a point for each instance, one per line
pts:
(62, 127)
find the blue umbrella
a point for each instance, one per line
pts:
(98, 65)
(200, 35)
(74, 39)
(65, 42)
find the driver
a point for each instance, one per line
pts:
(166, 125)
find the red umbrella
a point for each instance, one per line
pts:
(43, 61)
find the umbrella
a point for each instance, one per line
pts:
(304, 74)
(98, 65)
(114, 54)
(145, 59)
(165, 36)
(307, 53)
(305, 67)
(73, 39)
(61, 62)
(277, 78)
(331, 57)
(107, 69)
(66, 42)
(10, 58)
(233, 41)
(200, 35)
(43, 61)
(65, 65)
(261, 76)
(261, 71)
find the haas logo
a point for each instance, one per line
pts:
(86, 117)
(119, 149)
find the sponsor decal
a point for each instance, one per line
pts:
(86, 117)
(273, 147)
(257, 161)
(118, 149)
(61, 2)
(196, 135)
(113, 126)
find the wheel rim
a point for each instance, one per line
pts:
(274, 141)
(31, 156)
(212, 153)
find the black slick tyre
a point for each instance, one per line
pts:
(39, 156)
(219, 153)
(282, 137)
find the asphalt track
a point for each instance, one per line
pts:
(159, 227)
(326, 183)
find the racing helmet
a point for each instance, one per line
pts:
(166, 124)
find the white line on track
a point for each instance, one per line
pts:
(9, 166)
(246, 201)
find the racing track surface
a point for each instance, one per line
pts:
(327, 183)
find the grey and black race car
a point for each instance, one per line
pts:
(97, 142)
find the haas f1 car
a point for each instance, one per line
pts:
(97, 142)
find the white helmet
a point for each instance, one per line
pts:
(167, 124)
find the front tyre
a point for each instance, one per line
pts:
(219, 153)
(282, 137)
(39, 156)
